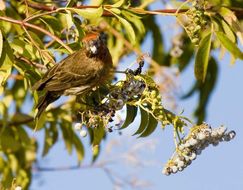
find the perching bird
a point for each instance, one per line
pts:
(77, 74)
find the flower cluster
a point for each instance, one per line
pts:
(197, 21)
(129, 90)
(199, 138)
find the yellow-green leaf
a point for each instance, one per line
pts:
(202, 58)
(89, 13)
(229, 45)
(79, 147)
(1, 42)
(118, 3)
(6, 63)
(129, 29)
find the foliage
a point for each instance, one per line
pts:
(34, 35)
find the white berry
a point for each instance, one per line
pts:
(77, 126)
(83, 133)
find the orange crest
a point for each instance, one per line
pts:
(90, 36)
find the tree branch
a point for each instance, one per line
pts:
(37, 65)
(28, 25)
(39, 6)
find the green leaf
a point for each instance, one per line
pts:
(48, 142)
(40, 122)
(96, 2)
(23, 136)
(98, 133)
(202, 57)
(129, 29)
(115, 10)
(67, 134)
(131, 114)
(69, 19)
(229, 45)
(96, 152)
(6, 62)
(8, 143)
(52, 23)
(89, 13)
(144, 121)
(152, 124)
(135, 20)
(36, 38)
(118, 3)
(79, 147)
(1, 42)
(224, 27)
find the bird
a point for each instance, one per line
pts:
(78, 73)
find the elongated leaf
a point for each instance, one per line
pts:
(47, 143)
(8, 143)
(1, 42)
(40, 122)
(79, 147)
(67, 134)
(202, 57)
(96, 152)
(152, 124)
(144, 121)
(135, 20)
(115, 10)
(229, 45)
(129, 30)
(223, 26)
(89, 13)
(118, 3)
(131, 114)
(6, 63)
(98, 135)
(96, 2)
(23, 136)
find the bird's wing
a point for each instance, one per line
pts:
(73, 71)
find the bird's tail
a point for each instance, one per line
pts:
(44, 101)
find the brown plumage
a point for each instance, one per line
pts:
(78, 73)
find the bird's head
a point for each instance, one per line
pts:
(93, 42)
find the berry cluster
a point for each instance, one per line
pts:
(129, 90)
(190, 147)
(197, 21)
(177, 46)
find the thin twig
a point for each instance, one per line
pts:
(37, 65)
(238, 11)
(41, 52)
(28, 25)
(16, 123)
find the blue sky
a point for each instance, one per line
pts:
(218, 168)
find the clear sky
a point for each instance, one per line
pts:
(218, 168)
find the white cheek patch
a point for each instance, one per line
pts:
(93, 49)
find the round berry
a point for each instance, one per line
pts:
(174, 169)
(77, 126)
(83, 133)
